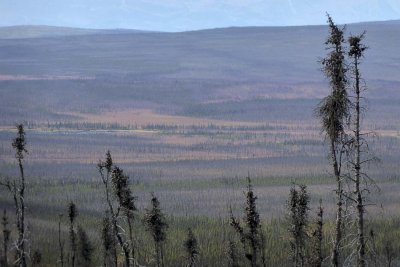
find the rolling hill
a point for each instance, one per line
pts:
(75, 70)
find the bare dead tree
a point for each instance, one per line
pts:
(334, 114)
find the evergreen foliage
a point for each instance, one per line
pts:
(251, 235)
(298, 209)
(156, 224)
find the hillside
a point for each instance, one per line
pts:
(208, 73)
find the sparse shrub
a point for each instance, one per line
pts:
(191, 248)
(36, 258)
(233, 257)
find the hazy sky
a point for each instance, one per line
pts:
(180, 15)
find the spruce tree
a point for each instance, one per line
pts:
(250, 236)
(356, 52)
(19, 145)
(316, 254)
(116, 185)
(108, 241)
(298, 209)
(17, 188)
(72, 214)
(334, 114)
(156, 224)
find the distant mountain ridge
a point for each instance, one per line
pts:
(39, 31)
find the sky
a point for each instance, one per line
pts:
(183, 15)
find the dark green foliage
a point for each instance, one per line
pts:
(19, 142)
(122, 190)
(297, 206)
(124, 210)
(251, 236)
(155, 221)
(85, 247)
(191, 248)
(72, 214)
(334, 109)
(156, 224)
(316, 257)
(334, 113)
(356, 48)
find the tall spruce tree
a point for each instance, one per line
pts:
(156, 224)
(298, 209)
(334, 112)
(116, 185)
(17, 188)
(250, 235)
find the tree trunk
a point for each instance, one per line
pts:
(357, 166)
(339, 209)
(21, 226)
